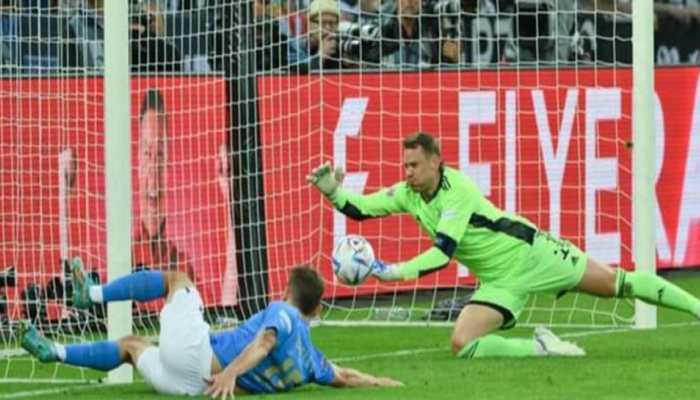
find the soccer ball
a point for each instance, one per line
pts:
(352, 259)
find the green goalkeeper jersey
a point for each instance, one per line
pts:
(461, 222)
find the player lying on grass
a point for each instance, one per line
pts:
(509, 255)
(271, 352)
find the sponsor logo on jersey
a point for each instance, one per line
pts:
(449, 213)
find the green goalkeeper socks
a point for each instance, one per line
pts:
(498, 346)
(655, 290)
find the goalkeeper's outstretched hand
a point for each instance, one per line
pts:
(386, 272)
(326, 179)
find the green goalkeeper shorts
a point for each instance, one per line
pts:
(553, 266)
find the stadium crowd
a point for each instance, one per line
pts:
(188, 36)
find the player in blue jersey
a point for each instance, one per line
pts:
(511, 257)
(271, 352)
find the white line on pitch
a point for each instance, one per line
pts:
(626, 329)
(398, 353)
(58, 381)
(70, 389)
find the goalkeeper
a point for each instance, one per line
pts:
(509, 255)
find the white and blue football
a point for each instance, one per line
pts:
(352, 259)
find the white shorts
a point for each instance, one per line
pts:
(182, 360)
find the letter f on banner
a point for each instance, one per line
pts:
(349, 122)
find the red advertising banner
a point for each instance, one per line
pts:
(52, 204)
(554, 146)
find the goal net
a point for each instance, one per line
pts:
(232, 105)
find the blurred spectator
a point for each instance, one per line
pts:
(349, 10)
(360, 42)
(676, 25)
(151, 51)
(40, 37)
(684, 11)
(451, 50)
(319, 48)
(407, 39)
(271, 44)
(84, 37)
(8, 35)
(543, 32)
(449, 15)
(199, 36)
(358, 10)
(293, 16)
(677, 36)
(408, 33)
(70, 6)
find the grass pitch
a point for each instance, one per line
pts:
(621, 364)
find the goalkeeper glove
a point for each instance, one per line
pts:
(386, 272)
(325, 179)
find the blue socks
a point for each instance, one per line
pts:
(140, 286)
(103, 356)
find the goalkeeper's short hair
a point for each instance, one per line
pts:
(423, 140)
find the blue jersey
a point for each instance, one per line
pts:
(292, 362)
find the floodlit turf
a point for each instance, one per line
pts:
(622, 364)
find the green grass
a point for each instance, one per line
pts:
(621, 364)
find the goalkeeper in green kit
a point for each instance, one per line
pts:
(507, 253)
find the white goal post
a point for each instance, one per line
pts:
(644, 151)
(118, 189)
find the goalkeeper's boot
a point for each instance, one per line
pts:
(36, 344)
(82, 281)
(549, 344)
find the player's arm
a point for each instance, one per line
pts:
(454, 218)
(350, 378)
(329, 374)
(431, 260)
(353, 205)
(224, 382)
